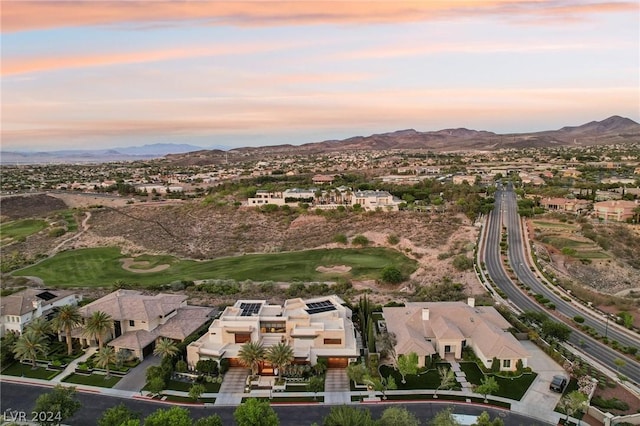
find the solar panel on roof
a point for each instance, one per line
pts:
(318, 307)
(249, 309)
(45, 295)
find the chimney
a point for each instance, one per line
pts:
(425, 314)
(36, 304)
(471, 301)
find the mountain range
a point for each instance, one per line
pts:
(612, 130)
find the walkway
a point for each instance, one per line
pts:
(137, 377)
(232, 388)
(461, 377)
(336, 387)
(71, 368)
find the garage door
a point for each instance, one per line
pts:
(338, 362)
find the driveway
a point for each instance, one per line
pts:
(539, 401)
(137, 377)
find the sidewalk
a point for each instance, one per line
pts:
(71, 368)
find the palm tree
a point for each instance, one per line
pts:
(67, 318)
(104, 357)
(97, 326)
(166, 348)
(40, 326)
(251, 354)
(280, 356)
(29, 345)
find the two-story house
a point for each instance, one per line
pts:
(319, 327)
(140, 319)
(19, 309)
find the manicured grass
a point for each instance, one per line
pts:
(592, 255)
(185, 386)
(442, 397)
(560, 243)
(92, 380)
(20, 228)
(512, 388)
(543, 224)
(427, 380)
(97, 267)
(319, 398)
(17, 369)
(67, 216)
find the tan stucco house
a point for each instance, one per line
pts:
(140, 319)
(319, 327)
(445, 328)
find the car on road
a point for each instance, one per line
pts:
(558, 384)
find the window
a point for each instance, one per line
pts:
(132, 323)
(243, 338)
(332, 341)
(506, 363)
(273, 327)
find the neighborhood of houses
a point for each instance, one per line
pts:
(314, 328)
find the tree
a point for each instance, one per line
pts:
(444, 418)
(196, 391)
(485, 420)
(117, 415)
(39, 325)
(97, 326)
(255, 413)
(175, 416)
(407, 364)
(7, 344)
(29, 345)
(213, 420)
(156, 385)
(316, 384)
(182, 366)
(391, 275)
(371, 337)
(166, 348)
(386, 344)
(122, 356)
(557, 330)
(104, 357)
(345, 415)
(495, 365)
(619, 362)
(487, 386)
(398, 416)
(207, 366)
(573, 403)
(447, 379)
(251, 354)
(280, 356)
(60, 401)
(356, 372)
(380, 384)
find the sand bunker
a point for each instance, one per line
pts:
(130, 264)
(340, 269)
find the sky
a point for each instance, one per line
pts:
(100, 74)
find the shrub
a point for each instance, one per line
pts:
(57, 232)
(608, 404)
(340, 239)
(578, 319)
(391, 275)
(462, 263)
(495, 365)
(393, 239)
(224, 365)
(360, 240)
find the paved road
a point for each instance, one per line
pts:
(22, 398)
(505, 213)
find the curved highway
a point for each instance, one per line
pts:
(505, 213)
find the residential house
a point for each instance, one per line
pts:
(19, 309)
(616, 210)
(446, 328)
(318, 327)
(323, 179)
(565, 204)
(460, 179)
(372, 200)
(140, 319)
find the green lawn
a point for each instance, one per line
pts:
(561, 242)
(92, 380)
(17, 369)
(442, 397)
(543, 224)
(427, 380)
(592, 255)
(68, 216)
(287, 399)
(97, 267)
(184, 386)
(16, 229)
(186, 399)
(512, 388)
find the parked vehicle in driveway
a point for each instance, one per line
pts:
(558, 384)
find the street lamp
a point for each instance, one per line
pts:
(606, 327)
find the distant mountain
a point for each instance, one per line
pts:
(132, 153)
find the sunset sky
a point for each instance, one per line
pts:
(97, 74)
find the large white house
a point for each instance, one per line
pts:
(319, 327)
(327, 199)
(446, 328)
(19, 309)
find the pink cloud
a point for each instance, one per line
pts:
(30, 15)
